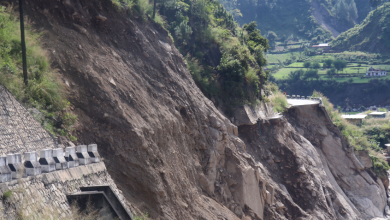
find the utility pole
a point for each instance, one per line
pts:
(23, 42)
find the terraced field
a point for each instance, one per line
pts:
(352, 68)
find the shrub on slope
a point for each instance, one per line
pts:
(43, 91)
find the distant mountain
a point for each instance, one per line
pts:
(372, 35)
(306, 19)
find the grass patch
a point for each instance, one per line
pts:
(353, 68)
(277, 99)
(141, 216)
(7, 195)
(44, 91)
(350, 113)
(297, 65)
(275, 58)
(282, 73)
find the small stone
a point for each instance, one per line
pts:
(279, 205)
(101, 18)
(301, 169)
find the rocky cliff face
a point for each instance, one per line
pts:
(167, 147)
(348, 175)
(312, 168)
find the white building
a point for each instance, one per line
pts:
(354, 119)
(322, 46)
(376, 72)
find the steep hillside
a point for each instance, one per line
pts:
(315, 168)
(284, 17)
(170, 150)
(364, 8)
(371, 35)
(224, 59)
(323, 17)
(302, 18)
(134, 95)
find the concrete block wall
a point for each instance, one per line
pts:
(44, 196)
(40, 195)
(19, 131)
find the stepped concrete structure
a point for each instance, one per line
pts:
(39, 186)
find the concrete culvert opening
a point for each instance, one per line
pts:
(97, 202)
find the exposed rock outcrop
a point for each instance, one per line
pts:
(350, 178)
(250, 115)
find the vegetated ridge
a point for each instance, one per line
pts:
(304, 19)
(169, 149)
(371, 35)
(224, 59)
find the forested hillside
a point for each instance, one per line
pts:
(224, 59)
(286, 17)
(371, 35)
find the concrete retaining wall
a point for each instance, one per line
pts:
(44, 196)
(19, 131)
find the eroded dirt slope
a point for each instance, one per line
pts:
(317, 173)
(136, 99)
(166, 146)
(328, 22)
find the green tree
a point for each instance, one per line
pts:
(311, 74)
(307, 64)
(306, 51)
(258, 52)
(233, 66)
(183, 33)
(328, 63)
(225, 17)
(331, 72)
(294, 76)
(257, 44)
(316, 65)
(271, 36)
(254, 37)
(340, 64)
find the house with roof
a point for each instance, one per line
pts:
(378, 114)
(324, 46)
(354, 119)
(375, 72)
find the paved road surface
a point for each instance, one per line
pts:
(297, 102)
